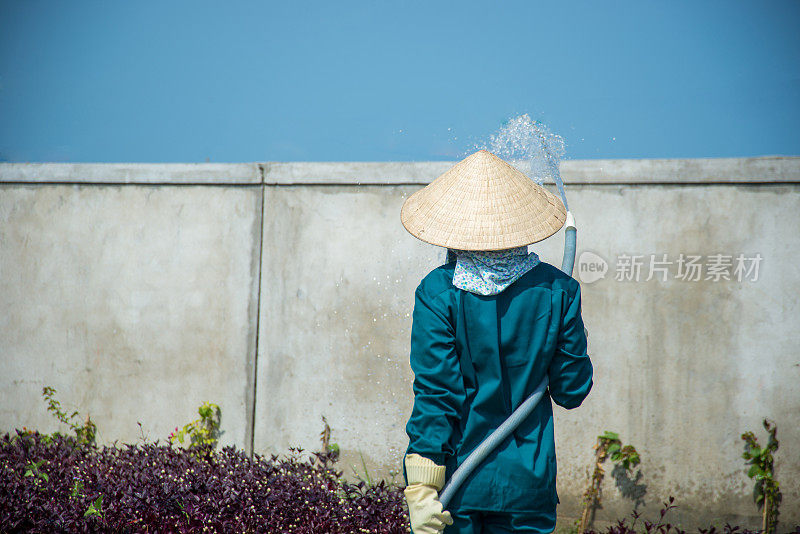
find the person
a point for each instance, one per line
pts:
(486, 329)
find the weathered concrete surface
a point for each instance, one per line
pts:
(770, 169)
(127, 173)
(134, 302)
(699, 170)
(682, 367)
(338, 274)
(138, 301)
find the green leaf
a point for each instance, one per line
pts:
(95, 508)
(758, 494)
(76, 488)
(754, 470)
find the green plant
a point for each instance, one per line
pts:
(95, 508)
(77, 489)
(366, 479)
(330, 451)
(85, 433)
(203, 433)
(608, 446)
(183, 510)
(766, 491)
(32, 470)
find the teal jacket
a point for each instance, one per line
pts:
(475, 359)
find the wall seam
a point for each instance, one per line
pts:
(254, 398)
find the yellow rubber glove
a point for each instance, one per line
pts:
(425, 479)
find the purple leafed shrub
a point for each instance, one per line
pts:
(54, 484)
(663, 527)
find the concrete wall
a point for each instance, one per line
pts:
(134, 302)
(283, 292)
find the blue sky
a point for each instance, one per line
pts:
(186, 81)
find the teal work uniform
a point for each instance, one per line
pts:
(475, 359)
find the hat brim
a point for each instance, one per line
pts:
(482, 203)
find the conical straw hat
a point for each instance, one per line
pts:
(482, 203)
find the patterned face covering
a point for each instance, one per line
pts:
(490, 272)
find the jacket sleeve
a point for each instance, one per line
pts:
(570, 371)
(438, 385)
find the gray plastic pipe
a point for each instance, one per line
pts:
(570, 243)
(523, 410)
(489, 444)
